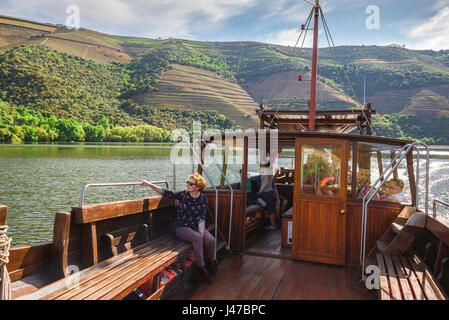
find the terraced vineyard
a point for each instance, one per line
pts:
(189, 87)
(232, 78)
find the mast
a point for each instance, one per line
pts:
(312, 101)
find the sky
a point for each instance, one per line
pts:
(415, 24)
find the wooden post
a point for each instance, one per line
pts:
(312, 101)
(225, 164)
(60, 247)
(3, 210)
(203, 146)
(369, 132)
(89, 245)
(395, 172)
(411, 177)
(354, 171)
(261, 121)
(242, 227)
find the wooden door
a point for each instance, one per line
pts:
(319, 202)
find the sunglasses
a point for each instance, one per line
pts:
(190, 183)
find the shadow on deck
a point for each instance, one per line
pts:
(249, 277)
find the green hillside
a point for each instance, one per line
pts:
(88, 75)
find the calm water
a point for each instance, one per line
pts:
(36, 181)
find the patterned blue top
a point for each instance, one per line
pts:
(191, 210)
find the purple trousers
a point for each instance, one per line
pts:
(188, 234)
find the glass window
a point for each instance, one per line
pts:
(349, 183)
(321, 170)
(372, 161)
(230, 160)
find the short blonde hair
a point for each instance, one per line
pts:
(200, 181)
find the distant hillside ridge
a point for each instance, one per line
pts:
(401, 84)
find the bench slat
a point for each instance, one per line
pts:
(61, 285)
(425, 285)
(145, 267)
(137, 279)
(431, 284)
(101, 268)
(395, 289)
(405, 286)
(384, 287)
(102, 278)
(419, 294)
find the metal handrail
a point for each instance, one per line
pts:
(232, 194)
(114, 185)
(435, 201)
(211, 182)
(383, 179)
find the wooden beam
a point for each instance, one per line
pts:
(317, 121)
(27, 260)
(3, 211)
(318, 112)
(354, 171)
(439, 227)
(103, 211)
(411, 177)
(89, 245)
(60, 246)
(261, 115)
(395, 172)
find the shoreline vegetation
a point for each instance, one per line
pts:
(52, 96)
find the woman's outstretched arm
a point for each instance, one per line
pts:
(152, 186)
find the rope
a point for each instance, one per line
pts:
(328, 35)
(5, 281)
(275, 88)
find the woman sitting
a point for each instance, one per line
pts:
(190, 222)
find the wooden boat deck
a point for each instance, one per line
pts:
(268, 242)
(250, 277)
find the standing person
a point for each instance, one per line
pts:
(249, 193)
(190, 222)
(267, 194)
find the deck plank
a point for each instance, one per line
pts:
(405, 285)
(394, 283)
(424, 279)
(417, 290)
(260, 278)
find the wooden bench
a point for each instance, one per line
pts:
(109, 244)
(116, 277)
(407, 278)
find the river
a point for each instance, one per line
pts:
(36, 181)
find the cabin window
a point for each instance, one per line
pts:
(372, 161)
(321, 170)
(230, 159)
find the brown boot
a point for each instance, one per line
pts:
(213, 265)
(204, 275)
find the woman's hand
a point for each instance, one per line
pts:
(144, 183)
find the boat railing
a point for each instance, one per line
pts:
(198, 159)
(380, 182)
(435, 201)
(232, 193)
(121, 184)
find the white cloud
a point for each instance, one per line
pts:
(432, 34)
(177, 18)
(288, 37)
